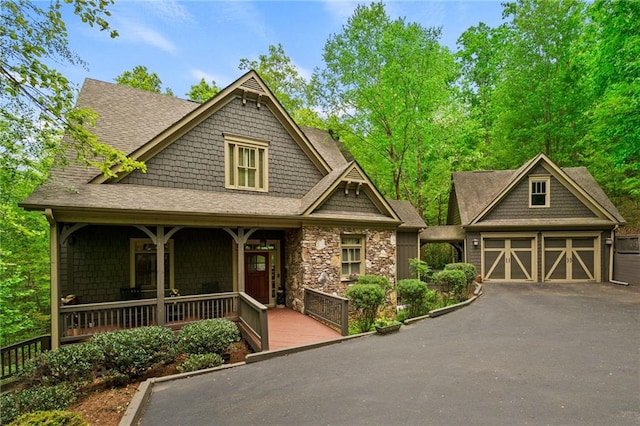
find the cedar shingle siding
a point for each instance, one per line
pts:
(196, 160)
(563, 204)
(339, 201)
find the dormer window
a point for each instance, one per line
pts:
(539, 191)
(246, 163)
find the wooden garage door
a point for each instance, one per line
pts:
(510, 259)
(570, 258)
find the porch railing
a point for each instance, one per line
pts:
(92, 318)
(252, 318)
(201, 306)
(80, 321)
(13, 357)
(327, 308)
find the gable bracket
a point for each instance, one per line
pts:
(258, 101)
(244, 97)
(358, 188)
(346, 188)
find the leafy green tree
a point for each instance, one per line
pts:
(32, 36)
(480, 57)
(611, 146)
(538, 108)
(141, 78)
(202, 91)
(26, 156)
(387, 83)
(289, 87)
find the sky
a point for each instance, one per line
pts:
(183, 41)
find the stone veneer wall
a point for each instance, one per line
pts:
(313, 250)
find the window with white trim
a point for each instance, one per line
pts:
(539, 191)
(246, 162)
(144, 261)
(352, 255)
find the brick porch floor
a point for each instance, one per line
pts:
(288, 328)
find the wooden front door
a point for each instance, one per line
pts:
(256, 280)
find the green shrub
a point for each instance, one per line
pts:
(379, 280)
(50, 418)
(437, 254)
(468, 269)
(412, 294)
(72, 363)
(200, 362)
(132, 352)
(39, 398)
(454, 280)
(420, 268)
(365, 299)
(207, 336)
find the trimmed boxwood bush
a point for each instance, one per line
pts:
(379, 280)
(413, 293)
(468, 269)
(200, 362)
(132, 352)
(40, 398)
(365, 299)
(49, 418)
(72, 363)
(207, 336)
(454, 280)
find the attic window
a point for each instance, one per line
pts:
(246, 163)
(539, 191)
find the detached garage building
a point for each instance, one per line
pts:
(540, 223)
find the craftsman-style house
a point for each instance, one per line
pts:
(237, 199)
(540, 223)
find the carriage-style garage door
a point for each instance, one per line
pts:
(571, 257)
(509, 259)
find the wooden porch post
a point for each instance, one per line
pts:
(55, 279)
(160, 273)
(241, 239)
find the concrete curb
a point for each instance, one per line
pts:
(135, 409)
(139, 401)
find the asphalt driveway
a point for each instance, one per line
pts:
(521, 354)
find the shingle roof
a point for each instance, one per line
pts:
(128, 119)
(476, 190)
(408, 214)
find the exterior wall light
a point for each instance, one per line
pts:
(608, 241)
(475, 242)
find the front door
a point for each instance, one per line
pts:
(256, 279)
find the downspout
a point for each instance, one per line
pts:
(611, 249)
(54, 279)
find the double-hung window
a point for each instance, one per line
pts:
(246, 163)
(539, 191)
(352, 255)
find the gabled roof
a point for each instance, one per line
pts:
(477, 193)
(351, 174)
(142, 124)
(252, 89)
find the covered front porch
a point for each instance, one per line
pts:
(107, 277)
(262, 328)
